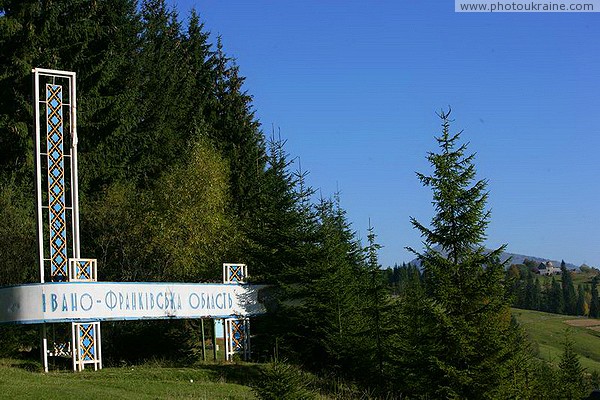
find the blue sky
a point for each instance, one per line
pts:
(354, 87)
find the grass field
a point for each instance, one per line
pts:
(209, 381)
(23, 379)
(547, 333)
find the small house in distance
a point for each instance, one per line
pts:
(547, 268)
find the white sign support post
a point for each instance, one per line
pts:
(237, 329)
(55, 113)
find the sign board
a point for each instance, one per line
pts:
(73, 295)
(105, 301)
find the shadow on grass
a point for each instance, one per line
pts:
(29, 366)
(242, 374)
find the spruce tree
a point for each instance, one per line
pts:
(595, 303)
(275, 240)
(336, 285)
(571, 371)
(236, 133)
(580, 300)
(556, 302)
(537, 295)
(463, 281)
(376, 307)
(569, 296)
(530, 300)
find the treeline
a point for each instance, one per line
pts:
(399, 277)
(547, 293)
(176, 177)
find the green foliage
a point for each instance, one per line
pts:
(556, 300)
(571, 371)
(171, 232)
(414, 345)
(581, 304)
(282, 381)
(376, 306)
(595, 303)
(469, 326)
(281, 230)
(569, 296)
(530, 264)
(19, 340)
(18, 244)
(190, 224)
(235, 131)
(333, 289)
(532, 293)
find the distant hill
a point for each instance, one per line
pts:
(519, 258)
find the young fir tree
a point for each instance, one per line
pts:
(337, 286)
(376, 307)
(463, 281)
(331, 298)
(595, 303)
(277, 236)
(571, 372)
(569, 296)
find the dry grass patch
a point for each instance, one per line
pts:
(583, 322)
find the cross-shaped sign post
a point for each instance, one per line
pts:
(72, 294)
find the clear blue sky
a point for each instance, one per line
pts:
(354, 87)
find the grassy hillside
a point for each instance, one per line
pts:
(584, 278)
(547, 332)
(140, 382)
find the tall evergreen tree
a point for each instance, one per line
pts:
(463, 281)
(569, 296)
(580, 300)
(595, 303)
(236, 132)
(278, 225)
(376, 307)
(338, 290)
(556, 302)
(536, 298)
(530, 300)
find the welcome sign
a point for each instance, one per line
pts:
(68, 291)
(105, 301)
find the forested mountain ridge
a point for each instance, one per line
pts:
(520, 258)
(514, 258)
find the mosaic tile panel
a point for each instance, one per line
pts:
(56, 183)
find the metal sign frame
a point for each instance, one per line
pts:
(69, 107)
